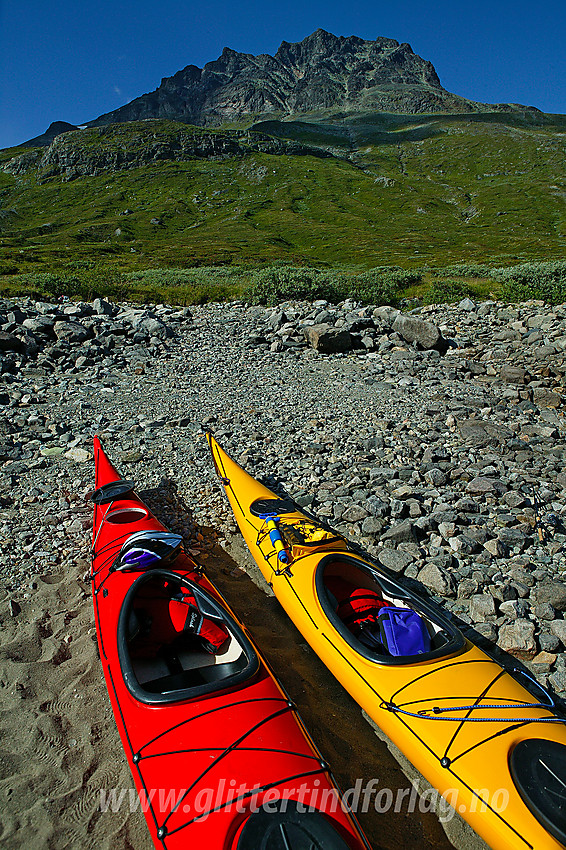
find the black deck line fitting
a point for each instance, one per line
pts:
(445, 761)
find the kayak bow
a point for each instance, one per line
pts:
(475, 731)
(218, 753)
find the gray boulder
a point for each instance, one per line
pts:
(16, 315)
(103, 307)
(404, 532)
(394, 559)
(11, 342)
(554, 593)
(354, 513)
(386, 315)
(71, 331)
(482, 607)
(481, 485)
(544, 397)
(145, 323)
(488, 631)
(40, 325)
(78, 309)
(558, 680)
(412, 329)
(483, 431)
(467, 304)
(558, 628)
(512, 374)
(328, 339)
(152, 326)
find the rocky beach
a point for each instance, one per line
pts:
(434, 439)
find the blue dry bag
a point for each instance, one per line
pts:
(403, 631)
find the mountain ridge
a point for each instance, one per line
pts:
(321, 78)
(321, 72)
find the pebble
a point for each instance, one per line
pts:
(435, 440)
(79, 455)
(518, 639)
(558, 628)
(437, 579)
(394, 559)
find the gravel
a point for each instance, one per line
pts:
(434, 440)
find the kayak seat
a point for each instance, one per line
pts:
(184, 652)
(181, 679)
(183, 664)
(176, 641)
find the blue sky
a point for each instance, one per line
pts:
(72, 61)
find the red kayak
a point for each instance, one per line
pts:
(218, 753)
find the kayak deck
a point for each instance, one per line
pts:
(455, 712)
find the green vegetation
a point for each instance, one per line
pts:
(186, 286)
(443, 291)
(447, 199)
(466, 270)
(376, 286)
(274, 284)
(546, 281)
(86, 281)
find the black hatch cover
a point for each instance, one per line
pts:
(289, 830)
(538, 768)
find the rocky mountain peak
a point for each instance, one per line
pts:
(56, 128)
(320, 73)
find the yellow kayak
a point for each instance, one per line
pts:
(492, 742)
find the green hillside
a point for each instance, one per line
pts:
(405, 190)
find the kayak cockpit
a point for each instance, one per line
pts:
(380, 619)
(175, 642)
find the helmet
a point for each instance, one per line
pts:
(146, 549)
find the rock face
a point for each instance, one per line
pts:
(87, 153)
(321, 72)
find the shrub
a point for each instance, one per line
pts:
(86, 285)
(545, 281)
(445, 291)
(86, 279)
(466, 270)
(382, 285)
(274, 284)
(48, 284)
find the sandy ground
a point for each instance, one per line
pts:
(60, 747)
